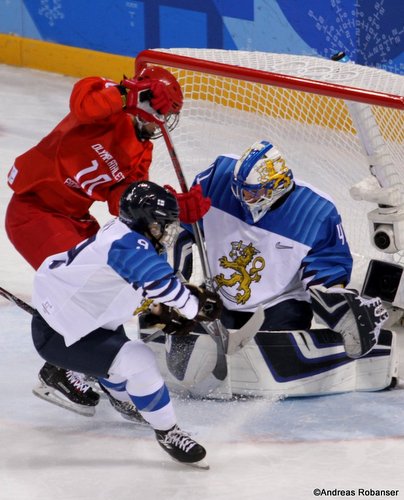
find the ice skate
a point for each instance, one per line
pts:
(66, 389)
(182, 448)
(126, 408)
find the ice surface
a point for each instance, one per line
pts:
(280, 450)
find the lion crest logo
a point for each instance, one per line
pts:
(246, 269)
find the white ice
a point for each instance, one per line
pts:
(256, 449)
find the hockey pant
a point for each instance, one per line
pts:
(290, 314)
(120, 363)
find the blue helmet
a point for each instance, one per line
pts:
(260, 178)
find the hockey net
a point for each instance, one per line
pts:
(299, 103)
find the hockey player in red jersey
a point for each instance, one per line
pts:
(93, 154)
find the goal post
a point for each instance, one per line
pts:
(200, 62)
(336, 123)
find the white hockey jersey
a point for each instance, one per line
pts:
(297, 243)
(102, 281)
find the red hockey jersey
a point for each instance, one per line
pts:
(93, 154)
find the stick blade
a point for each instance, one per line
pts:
(239, 338)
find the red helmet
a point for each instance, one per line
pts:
(169, 80)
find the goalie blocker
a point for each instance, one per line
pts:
(357, 319)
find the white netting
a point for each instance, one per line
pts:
(315, 132)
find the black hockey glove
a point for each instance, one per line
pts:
(179, 326)
(358, 320)
(175, 323)
(210, 303)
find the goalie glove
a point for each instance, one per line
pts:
(358, 320)
(210, 303)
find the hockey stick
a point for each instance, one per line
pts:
(19, 302)
(216, 329)
(29, 309)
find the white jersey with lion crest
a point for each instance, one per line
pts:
(298, 242)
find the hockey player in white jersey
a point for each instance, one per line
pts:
(82, 298)
(279, 242)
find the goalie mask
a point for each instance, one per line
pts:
(151, 210)
(173, 88)
(260, 178)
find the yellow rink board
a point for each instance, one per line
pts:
(56, 58)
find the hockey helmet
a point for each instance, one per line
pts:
(151, 210)
(173, 89)
(260, 178)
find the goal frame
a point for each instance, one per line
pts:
(365, 100)
(264, 77)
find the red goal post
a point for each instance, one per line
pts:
(331, 119)
(256, 75)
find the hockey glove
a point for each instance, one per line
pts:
(358, 320)
(193, 205)
(153, 91)
(210, 303)
(175, 323)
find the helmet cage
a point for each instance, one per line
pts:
(164, 234)
(171, 120)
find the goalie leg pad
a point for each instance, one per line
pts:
(278, 364)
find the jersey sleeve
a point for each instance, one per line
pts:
(139, 172)
(134, 258)
(329, 262)
(94, 99)
(182, 254)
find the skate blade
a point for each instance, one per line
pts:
(51, 396)
(202, 464)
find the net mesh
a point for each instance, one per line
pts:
(315, 132)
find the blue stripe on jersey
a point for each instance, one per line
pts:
(152, 402)
(301, 216)
(169, 283)
(329, 275)
(162, 289)
(134, 258)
